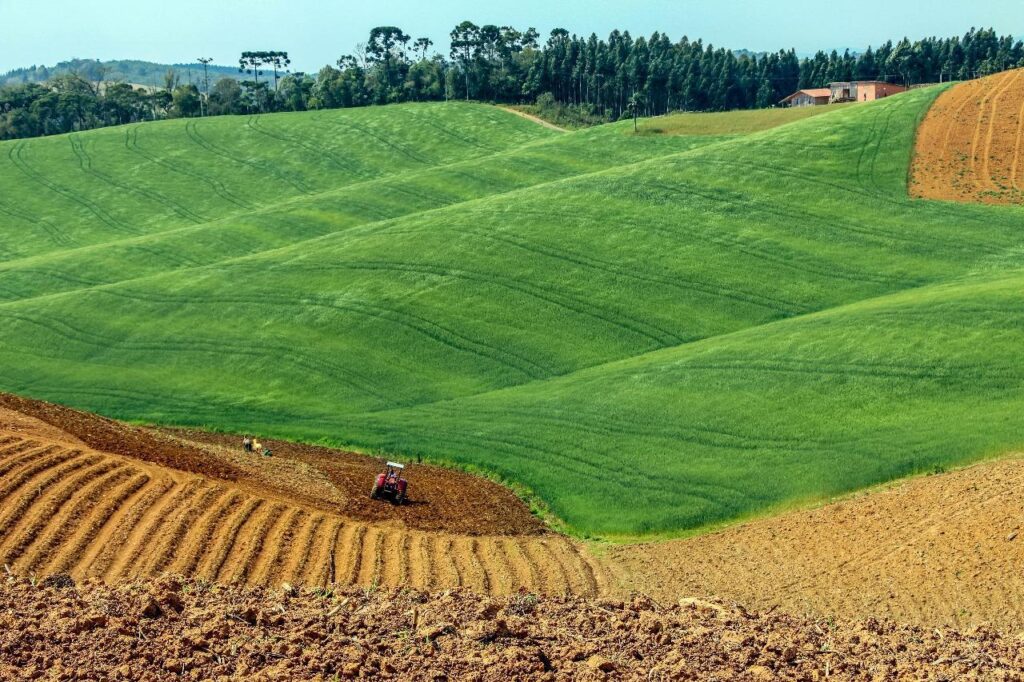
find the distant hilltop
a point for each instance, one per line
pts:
(124, 70)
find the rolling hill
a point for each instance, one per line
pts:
(651, 333)
(120, 70)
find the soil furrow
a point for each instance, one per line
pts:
(301, 553)
(212, 567)
(554, 582)
(91, 535)
(524, 570)
(205, 532)
(144, 526)
(317, 569)
(74, 517)
(276, 548)
(254, 535)
(41, 510)
(171, 542)
(39, 472)
(112, 539)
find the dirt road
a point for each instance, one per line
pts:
(535, 119)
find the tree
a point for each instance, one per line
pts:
(465, 46)
(635, 102)
(386, 54)
(296, 91)
(900, 60)
(251, 63)
(226, 98)
(278, 60)
(422, 45)
(185, 101)
(171, 80)
(205, 61)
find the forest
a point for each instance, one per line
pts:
(579, 80)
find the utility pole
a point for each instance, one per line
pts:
(205, 61)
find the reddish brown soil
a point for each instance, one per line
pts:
(168, 629)
(68, 508)
(942, 550)
(333, 481)
(441, 499)
(107, 435)
(970, 146)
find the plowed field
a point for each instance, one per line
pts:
(66, 507)
(942, 550)
(166, 629)
(939, 550)
(969, 144)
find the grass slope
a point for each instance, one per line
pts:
(730, 122)
(653, 333)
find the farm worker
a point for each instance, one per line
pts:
(247, 444)
(257, 446)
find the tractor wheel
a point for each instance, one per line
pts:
(375, 493)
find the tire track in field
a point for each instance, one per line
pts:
(16, 155)
(255, 124)
(86, 165)
(192, 130)
(993, 114)
(968, 146)
(131, 143)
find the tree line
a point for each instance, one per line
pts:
(593, 79)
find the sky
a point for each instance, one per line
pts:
(317, 32)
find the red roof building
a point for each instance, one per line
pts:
(808, 98)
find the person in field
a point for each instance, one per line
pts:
(247, 444)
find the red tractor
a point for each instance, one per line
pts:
(391, 484)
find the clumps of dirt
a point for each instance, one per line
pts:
(174, 629)
(440, 499)
(107, 435)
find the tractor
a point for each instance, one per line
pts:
(390, 484)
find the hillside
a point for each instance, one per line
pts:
(652, 333)
(70, 504)
(120, 70)
(84, 498)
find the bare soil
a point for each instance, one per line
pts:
(302, 515)
(941, 550)
(334, 481)
(440, 499)
(969, 146)
(170, 629)
(937, 551)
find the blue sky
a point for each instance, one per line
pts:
(316, 32)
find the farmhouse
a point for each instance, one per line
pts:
(862, 91)
(842, 91)
(808, 98)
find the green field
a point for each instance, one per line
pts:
(651, 333)
(730, 122)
